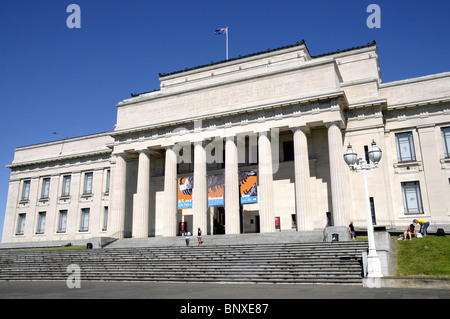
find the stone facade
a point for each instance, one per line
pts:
(282, 113)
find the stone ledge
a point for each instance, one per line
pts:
(407, 282)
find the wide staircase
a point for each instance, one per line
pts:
(321, 262)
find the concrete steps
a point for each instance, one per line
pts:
(337, 262)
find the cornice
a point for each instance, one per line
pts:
(60, 158)
(252, 108)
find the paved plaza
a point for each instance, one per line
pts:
(191, 291)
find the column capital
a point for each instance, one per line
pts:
(339, 124)
(304, 128)
(144, 151)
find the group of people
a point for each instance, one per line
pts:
(409, 232)
(199, 237)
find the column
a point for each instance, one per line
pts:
(118, 196)
(170, 193)
(338, 176)
(232, 219)
(265, 190)
(141, 204)
(200, 191)
(305, 217)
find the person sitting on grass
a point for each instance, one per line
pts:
(410, 231)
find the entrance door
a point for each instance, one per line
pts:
(219, 221)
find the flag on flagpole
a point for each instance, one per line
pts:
(222, 31)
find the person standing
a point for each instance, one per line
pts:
(199, 236)
(423, 225)
(352, 230)
(187, 234)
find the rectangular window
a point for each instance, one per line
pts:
(288, 150)
(62, 224)
(45, 188)
(412, 199)
(84, 225)
(26, 190)
(446, 140)
(41, 223)
(87, 183)
(105, 219)
(66, 185)
(405, 147)
(108, 180)
(21, 224)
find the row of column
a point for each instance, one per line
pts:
(305, 218)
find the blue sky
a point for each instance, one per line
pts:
(53, 78)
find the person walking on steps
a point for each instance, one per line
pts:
(187, 234)
(199, 236)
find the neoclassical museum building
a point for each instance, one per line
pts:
(251, 144)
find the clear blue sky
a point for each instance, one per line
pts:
(53, 78)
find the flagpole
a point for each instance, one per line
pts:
(227, 43)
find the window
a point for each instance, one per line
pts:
(288, 150)
(87, 183)
(412, 199)
(84, 226)
(66, 186)
(405, 147)
(41, 223)
(26, 190)
(21, 224)
(105, 219)
(108, 180)
(45, 188)
(446, 140)
(62, 224)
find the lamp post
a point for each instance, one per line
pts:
(357, 164)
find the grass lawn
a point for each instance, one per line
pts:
(428, 256)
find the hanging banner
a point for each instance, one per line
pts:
(248, 187)
(215, 190)
(185, 185)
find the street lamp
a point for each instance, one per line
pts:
(357, 164)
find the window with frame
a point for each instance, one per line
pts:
(446, 141)
(84, 225)
(21, 224)
(105, 218)
(412, 198)
(405, 147)
(41, 223)
(65, 192)
(26, 190)
(62, 223)
(108, 180)
(87, 190)
(45, 188)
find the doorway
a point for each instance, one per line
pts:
(219, 221)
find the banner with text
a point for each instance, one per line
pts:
(185, 185)
(248, 187)
(215, 190)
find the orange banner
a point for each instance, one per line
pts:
(185, 185)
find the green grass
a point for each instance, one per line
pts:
(428, 256)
